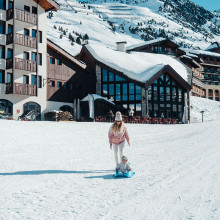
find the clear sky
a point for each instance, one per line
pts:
(210, 5)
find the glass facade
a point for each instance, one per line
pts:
(121, 91)
(166, 98)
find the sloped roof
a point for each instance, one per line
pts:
(201, 52)
(49, 5)
(55, 47)
(213, 46)
(137, 66)
(140, 45)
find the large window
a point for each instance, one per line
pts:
(2, 4)
(2, 27)
(122, 92)
(2, 76)
(165, 98)
(2, 52)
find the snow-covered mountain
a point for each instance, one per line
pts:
(106, 22)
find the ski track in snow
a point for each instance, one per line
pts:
(64, 171)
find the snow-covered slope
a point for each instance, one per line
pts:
(211, 109)
(106, 22)
(62, 171)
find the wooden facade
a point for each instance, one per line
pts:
(67, 78)
(164, 46)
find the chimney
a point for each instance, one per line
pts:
(121, 46)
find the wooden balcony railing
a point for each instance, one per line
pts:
(25, 16)
(25, 40)
(21, 89)
(9, 38)
(9, 63)
(24, 89)
(9, 88)
(197, 73)
(27, 65)
(9, 14)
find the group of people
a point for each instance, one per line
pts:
(130, 114)
(117, 135)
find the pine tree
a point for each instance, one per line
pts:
(78, 41)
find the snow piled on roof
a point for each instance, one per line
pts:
(145, 43)
(138, 66)
(211, 109)
(95, 96)
(201, 52)
(213, 46)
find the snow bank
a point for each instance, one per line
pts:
(58, 170)
(211, 109)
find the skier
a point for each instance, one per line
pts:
(117, 135)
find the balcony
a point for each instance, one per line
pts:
(9, 63)
(22, 15)
(27, 65)
(24, 40)
(9, 88)
(21, 89)
(9, 14)
(9, 38)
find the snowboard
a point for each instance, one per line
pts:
(125, 175)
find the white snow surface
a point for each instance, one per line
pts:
(138, 66)
(211, 109)
(53, 170)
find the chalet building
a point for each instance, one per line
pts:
(160, 45)
(23, 49)
(168, 47)
(150, 84)
(210, 61)
(67, 79)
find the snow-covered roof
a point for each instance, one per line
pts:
(201, 52)
(54, 46)
(137, 66)
(95, 96)
(213, 46)
(145, 43)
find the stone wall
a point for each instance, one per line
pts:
(98, 77)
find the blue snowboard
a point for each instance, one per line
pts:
(125, 175)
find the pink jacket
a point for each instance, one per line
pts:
(117, 137)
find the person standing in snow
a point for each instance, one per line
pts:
(117, 135)
(131, 114)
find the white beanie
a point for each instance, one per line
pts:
(118, 116)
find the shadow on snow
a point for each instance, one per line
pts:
(40, 172)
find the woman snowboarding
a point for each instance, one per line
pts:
(117, 135)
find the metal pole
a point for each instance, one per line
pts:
(202, 114)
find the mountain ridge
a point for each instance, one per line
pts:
(184, 22)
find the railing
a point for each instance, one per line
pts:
(25, 16)
(9, 88)
(25, 40)
(9, 38)
(9, 63)
(198, 90)
(9, 14)
(27, 65)
(171, 53)
(24, 89)
(197, 73)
